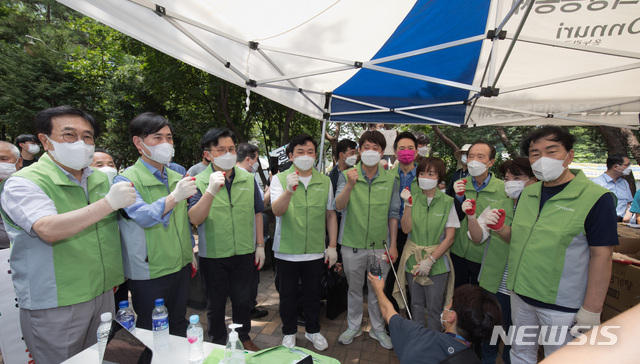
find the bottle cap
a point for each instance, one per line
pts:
(123, 304)
(194, 319)
(160, 302)
(105, 317)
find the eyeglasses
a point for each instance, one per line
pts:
(72, 137)
(222, 150)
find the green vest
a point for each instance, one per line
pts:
(167, 249)
(430, 233)
(229, 228)
(489, 196)
(72, 270)
(496, 252)
(302, 228)
(549, 253)
(367, 220)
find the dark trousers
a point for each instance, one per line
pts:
(391, 279)
(310, 274)
(490, 352)
(254, 289)
(228, 277)
(173, 288)
(466, 271)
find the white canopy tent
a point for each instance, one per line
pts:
(445, 62)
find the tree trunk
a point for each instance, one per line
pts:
(614, 140)
(505, 140)
(224, 104)
(444, 138)
(287, 126)
(333, 139)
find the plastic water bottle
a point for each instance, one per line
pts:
(103, 334)
(234, 352)
(126, 317)
(160, 319)
(195, 337)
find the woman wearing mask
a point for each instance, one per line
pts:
(430, 220)
(493, 274)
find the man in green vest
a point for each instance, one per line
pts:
(66, 256)
(303, 206)
(486, 189)
(561, 243)
(227, 208)
(368, 198)
(156, 235)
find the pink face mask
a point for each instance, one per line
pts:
(406, 156)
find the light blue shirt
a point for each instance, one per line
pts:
(620, 188)
(405, 182)
(144, 214)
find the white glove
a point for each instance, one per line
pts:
(459, 187)
(423, 268)
(331, 256)
(292, 181)
(586, 320)
(121, 195)
(216, 181)
(259, 262)
(406, 196)
(185, 188)
(469, 208)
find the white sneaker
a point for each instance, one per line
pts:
(383, 338)
(289, 341)
(347, 337)
(319, 342)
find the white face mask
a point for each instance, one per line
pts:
(423, 151)
(476, 168)
(110, 172)
(442, 320)
(161, 153)
(33, 149)
(463, 159)
(225, 161)
(304, 162)
(548, 169)
(254, 167)
(427, 184)
(626, 171)
(7, 169)
(370, 158)
(351, 161)
(76, 156)
(514, 188)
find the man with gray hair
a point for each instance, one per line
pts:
(10, 162)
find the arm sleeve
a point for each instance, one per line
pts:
(276, 189)
(394, 206)
(25, 203)
(144, 214)
(635, 206)
(258, 200)
(601, 223)
(452, 220)
(330, 200)
(342, 181)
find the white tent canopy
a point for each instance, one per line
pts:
(448, 62)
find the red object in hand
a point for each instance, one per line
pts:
(193, 270)
(472, 210)
(193, 178)
(500, 223)
(461, 193)
(410, 198)
(296, 186)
